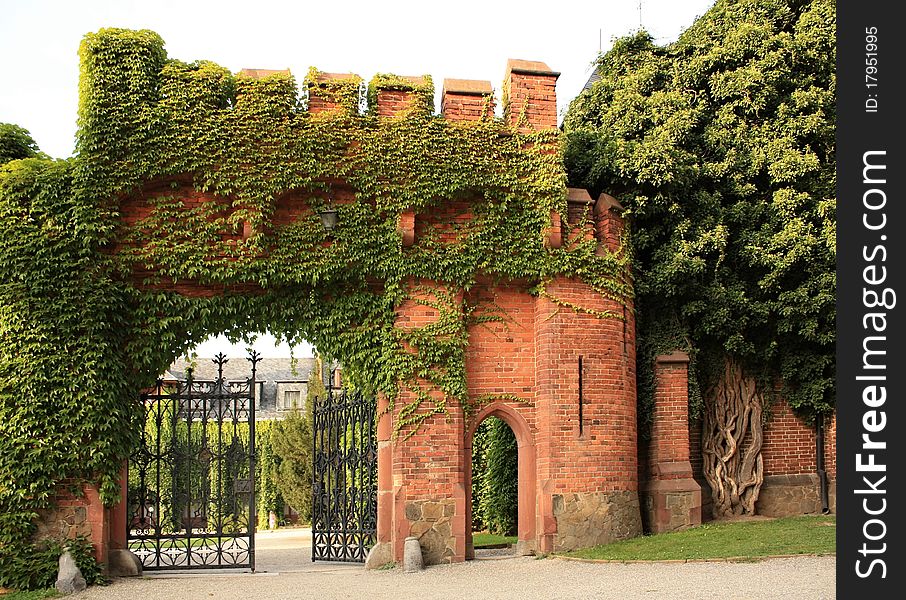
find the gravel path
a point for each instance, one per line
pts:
(810, 578)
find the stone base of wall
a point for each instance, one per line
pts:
(787, 495)
(70, 516)
(671, 504)
(595, 518)
(431, 522)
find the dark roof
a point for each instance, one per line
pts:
(268, 369)
(595, 76)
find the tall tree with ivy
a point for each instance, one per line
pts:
(721, 146)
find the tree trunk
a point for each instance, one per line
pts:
(732, 437)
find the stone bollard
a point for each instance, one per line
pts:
(123, 563)
(412, 555)
(69, 579)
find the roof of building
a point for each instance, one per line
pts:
(268, 369)
(595, 77)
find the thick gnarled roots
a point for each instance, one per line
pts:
(732, 437)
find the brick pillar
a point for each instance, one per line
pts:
(333, 91)
(467, 100)
(398, 98)
(672, 498)
(530, 95)
(382, 552)
(609, 223)
(427, 465)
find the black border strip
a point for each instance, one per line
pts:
(871, 262)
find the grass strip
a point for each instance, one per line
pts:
(725, 539)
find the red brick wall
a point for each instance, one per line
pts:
(604, 456)
(830, 446)
(789, 444)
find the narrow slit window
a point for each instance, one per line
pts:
(581, 399)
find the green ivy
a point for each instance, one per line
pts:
(721, 146)
(81, 335)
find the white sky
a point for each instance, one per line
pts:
(39, 42)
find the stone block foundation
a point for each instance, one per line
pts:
(787, 495)
(595, 518)
(431, 523)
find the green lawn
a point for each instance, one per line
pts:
(488, 539)
(744, 539)
(33, 595)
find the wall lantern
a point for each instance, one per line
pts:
(329, 217)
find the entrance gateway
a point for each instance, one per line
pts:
(517, 329)
(451, 250)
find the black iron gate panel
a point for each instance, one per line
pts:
(191, 494)
(344, 482)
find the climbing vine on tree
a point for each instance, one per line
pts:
(88, 315)
(721, 146)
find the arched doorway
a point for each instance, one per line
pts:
(526, 474)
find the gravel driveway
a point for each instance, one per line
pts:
(809, 578)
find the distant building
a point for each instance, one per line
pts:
(281, 383)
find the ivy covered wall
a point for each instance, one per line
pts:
(189, 209)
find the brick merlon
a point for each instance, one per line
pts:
(262, 73)
(606, 203)
(529, 67)
(675, 357)
(468, 87)
(578, 196)
(413, 80)
(324, 77)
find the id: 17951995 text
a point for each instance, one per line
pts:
(871, 69)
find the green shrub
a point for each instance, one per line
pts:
(35, 566)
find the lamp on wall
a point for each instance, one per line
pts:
(328, 214)
(329, 218)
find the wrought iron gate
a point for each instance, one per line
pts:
(191, 495)
(344, 481)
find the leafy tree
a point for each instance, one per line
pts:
(497, 479)
(291, 440)
(479, 467)
(721, 147)
(15, 143)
